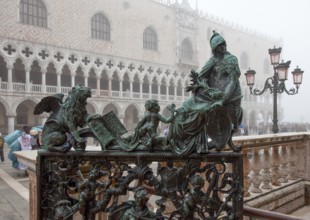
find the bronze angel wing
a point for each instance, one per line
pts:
(49, 104)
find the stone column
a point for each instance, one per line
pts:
(121, 118)
(110, 85)
(158, 88)
(141, 89)
(86, 80)
(10, 76)
(98, 86)
(121, 87)
(11, 123)
(44, 80)
(150, 90)
(86, 75)
(27, 69)
(131, 88)
(73, 79)
(59, 82)
(175, 92)
(167, 92)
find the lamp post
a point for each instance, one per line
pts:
(276, 83)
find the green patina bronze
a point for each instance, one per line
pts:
(205, 121)
(60, 132)
(214, 111)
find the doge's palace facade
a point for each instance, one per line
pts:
(127, 51)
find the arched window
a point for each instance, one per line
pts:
(149, 39)
(244, 64)
(33, 12)
(186, 49)
(100, 27)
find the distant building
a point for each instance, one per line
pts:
(127, 51)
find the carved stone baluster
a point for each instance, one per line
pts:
(266, 174)
(275, 158)
(301, 154)
(246, 172)
(283, 166)
(292, 169)
(256, 178)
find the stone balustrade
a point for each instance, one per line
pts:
(38, 89)
(276, 170)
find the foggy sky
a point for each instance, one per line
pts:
(284, 19)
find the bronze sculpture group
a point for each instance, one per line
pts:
(205, 121)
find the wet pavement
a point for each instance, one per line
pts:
(14, 193)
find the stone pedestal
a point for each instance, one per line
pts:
(29, 158)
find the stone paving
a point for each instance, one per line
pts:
(13, 203)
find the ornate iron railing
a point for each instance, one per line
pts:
(101, 183)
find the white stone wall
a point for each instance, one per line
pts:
(69, 29)
(69, 26)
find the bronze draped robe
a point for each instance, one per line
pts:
(198, 119)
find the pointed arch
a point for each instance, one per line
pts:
(115, 82)
(111, 107)
(179, 87)
(19, 73)
(126, 82)
(90, 108)
(3, 69)
(24, 113)
(104, 80)
(92, 79)
(163, 86)
(155, 85)
(51, 76)
(136, 84)
(4, 109)
(146, 82)
(79, 77)
(65, 76)
(35, 73)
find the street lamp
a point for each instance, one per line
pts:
(276, 83)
